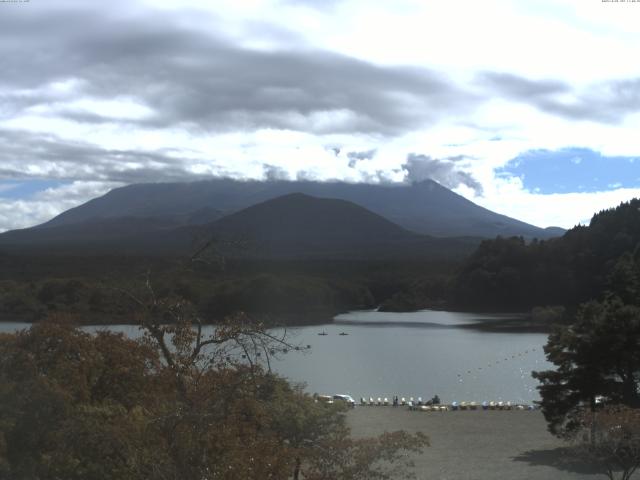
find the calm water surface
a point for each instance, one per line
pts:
(408, 354)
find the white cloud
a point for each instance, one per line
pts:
(44, 205)
(586, 46)
(507, 196)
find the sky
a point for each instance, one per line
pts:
(530, 108)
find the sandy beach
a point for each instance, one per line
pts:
(478, 444)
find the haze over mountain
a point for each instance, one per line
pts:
(291, 226)
(298, 225)
(425, 207)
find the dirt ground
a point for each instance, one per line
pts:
(480, 445)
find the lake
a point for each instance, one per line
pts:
(408, 354)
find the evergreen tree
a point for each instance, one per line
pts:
(598, 355)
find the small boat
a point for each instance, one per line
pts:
(343, 333)
(323, 333)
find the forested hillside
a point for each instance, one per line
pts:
(94, 289)
(509, 274)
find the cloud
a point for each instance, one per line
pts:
(275, 173)
(606, 102)
(354, 157)
(559, 209)
(203, 81)
(25, 155)
(138, 91)
(44, 205)
(422, 167)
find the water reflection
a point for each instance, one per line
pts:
(417, 354)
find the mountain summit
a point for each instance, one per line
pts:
(425, 207)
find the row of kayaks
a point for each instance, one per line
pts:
(471, 406)
(428, 406)
(380, 401)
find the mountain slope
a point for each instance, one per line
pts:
(291, 226)
(297, 224)
(301, 226)
(424, 207)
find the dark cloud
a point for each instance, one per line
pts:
(305, 176)
(607, 102)
(191, 78)
(274, 173)
(422, 167)
(458, 158)
(355, 157)
(25, 155)
(378, 177)
(519, 87)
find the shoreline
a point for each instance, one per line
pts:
(276, 321)
(509, 325)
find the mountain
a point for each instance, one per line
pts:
(103, 235)
(290, 226)
(425, 207)
(298, 225)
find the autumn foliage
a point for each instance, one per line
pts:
(174, 405)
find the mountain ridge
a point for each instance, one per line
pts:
(291, 226)
(425, 207)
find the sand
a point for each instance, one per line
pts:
(478, 444)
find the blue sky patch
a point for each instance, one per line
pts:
(572, 170)
(22, 189)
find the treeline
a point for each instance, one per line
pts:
(99, 289)
(504, 274)
(510, 274)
